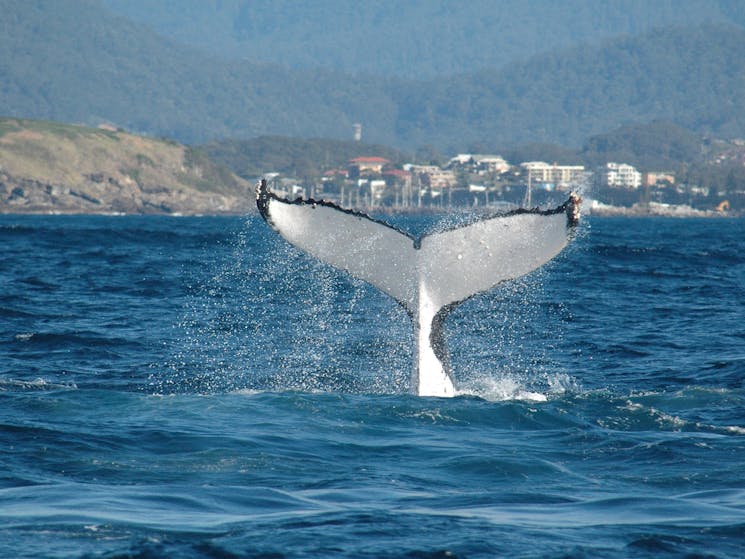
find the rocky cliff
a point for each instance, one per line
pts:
(48, 167)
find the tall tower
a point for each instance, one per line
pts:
(357, 132)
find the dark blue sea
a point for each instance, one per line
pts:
(194, 387)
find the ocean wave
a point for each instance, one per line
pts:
(38, 384)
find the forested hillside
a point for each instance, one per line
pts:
(295, 157)
(656, 146)
(692, 76)
(71, 60)
(411, 38)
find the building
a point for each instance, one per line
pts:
(399, 176)
(541, 172)
(658, 178)
(332, 174)
(461, 159)
(480, 164)
(433, 176)
(362, 165)
(619, 175)
(491, 164)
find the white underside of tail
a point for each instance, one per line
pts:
(429, 377)
(426, 278)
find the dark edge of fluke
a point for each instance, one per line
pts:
(263, 196)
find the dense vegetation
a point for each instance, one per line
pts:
(660, 146)
(694, 77)
(301, 158)
(73, 61)
(417, 39)
(656, 146)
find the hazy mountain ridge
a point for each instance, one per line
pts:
(692, 76)
(416, 39)
(73, 61)
(69, 60)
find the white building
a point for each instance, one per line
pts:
(482, 164)
(491, 163)
(619, 175)
(541, 172)
(461, 159)
(433, 176)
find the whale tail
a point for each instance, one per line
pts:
(430, 275)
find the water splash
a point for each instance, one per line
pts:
(271, 318)
(267, 317)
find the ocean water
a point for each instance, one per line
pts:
(194, 387)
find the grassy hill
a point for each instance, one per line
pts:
(53, 167)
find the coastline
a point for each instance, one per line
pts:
(591, 208)
(651, 209)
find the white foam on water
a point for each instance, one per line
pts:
(500, 389)
(37, 384)
(502, 386)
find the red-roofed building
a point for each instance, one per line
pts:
(334, 173)
(400, 176)
(361, 165)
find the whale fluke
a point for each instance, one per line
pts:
(429, 275)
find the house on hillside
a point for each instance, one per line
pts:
(335, 174)
(361, 166)
(433, 176)
(553, 175)
(619, 175)
(480, 164)
(397, 176)
(491, 164)
(658, 178)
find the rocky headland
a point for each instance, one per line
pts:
(48, 167)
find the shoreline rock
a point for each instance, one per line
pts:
(52, 168)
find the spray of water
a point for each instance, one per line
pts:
(269, 318)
